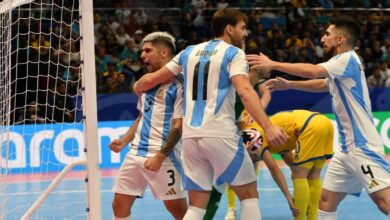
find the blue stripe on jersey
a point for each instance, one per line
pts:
(183, 60)
(191, 185)
(360, 140)
(170, 98)
(340, 128)
(231, 171)
(375, 157)
(224, 82)
(147, 113)
(357, 91)
(200, 103)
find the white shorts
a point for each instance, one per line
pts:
(352, 171)
(218, 161)
(166, 184)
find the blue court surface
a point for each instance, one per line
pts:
(68, 201)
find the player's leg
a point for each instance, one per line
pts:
(129, 184)
(198, 176)
(235, 168)
(329, 203)
(382, 200)
(301, 194)
(231, 201)
(212, 207)
(314, 181)
(166, 185)
(373, 171)
(338, 182)
(121, 206)
(177, 207)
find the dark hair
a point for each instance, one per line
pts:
(349, 26)
(224, 17)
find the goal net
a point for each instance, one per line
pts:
(42, 110)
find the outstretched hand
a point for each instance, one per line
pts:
(277, 83)
(259, 62)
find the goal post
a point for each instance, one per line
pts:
(49, 150)
(90, 109)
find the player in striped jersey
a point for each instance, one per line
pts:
(213, 152)
(154, 156)
(360, 162)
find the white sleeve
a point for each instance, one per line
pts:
(139, 103)
(174, 65)
(238, 65)
(337, 65)
(178, 105)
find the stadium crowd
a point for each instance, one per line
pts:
(289, 31)
(291, 35)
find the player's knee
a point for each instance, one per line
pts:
(383, 205)
(325, 203)
(121, 206)
(247, 191)
(177, 207)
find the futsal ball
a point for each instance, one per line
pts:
(252, 139)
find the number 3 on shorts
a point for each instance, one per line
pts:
(172, 176)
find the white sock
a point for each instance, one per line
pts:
(250, 209)
(322, 215)
(125, 218)
(194, 213)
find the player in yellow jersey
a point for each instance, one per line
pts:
(310, 143)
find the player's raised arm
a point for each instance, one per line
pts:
(150, 80)
(313, 85)
(262, 62)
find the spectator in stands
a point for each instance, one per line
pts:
(123, 84)
(141, 17)
(121, 36)
(60, 105)
(32, 114)
(109, 85)
(384, 69)
(294, 41)
(129, 51)
(101, 60)
(375, 79)
(163, 24)
(138, 36)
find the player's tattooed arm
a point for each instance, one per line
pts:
(154, 163)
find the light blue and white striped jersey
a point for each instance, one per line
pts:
(158, 107)
(351, 103)
(209, 95)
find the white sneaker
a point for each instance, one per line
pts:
(230, 214)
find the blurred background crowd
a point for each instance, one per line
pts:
(285, 30)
